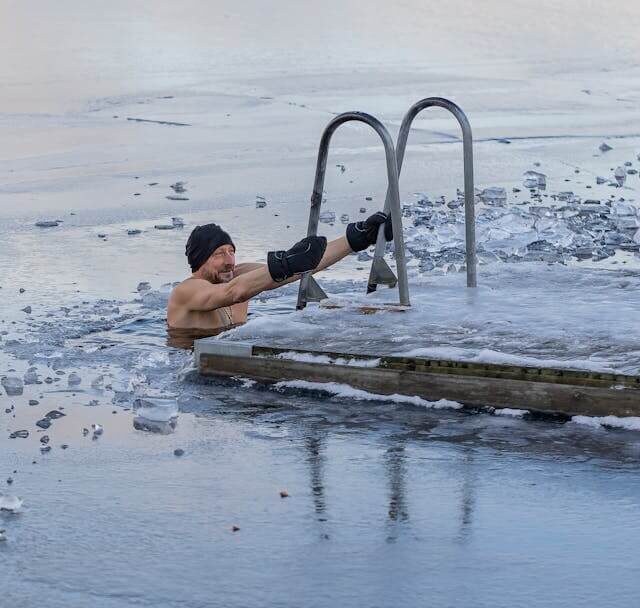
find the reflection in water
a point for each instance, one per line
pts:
(184, 337)
(161, 427)
(395, 464)
(468, 496)
(315, 446)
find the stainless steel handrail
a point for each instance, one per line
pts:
(469, 203)
(392, 203)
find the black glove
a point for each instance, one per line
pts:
(303, 256)
(364, 234)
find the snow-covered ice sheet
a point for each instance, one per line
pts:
(521, 314)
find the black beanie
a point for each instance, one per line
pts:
(203, 241)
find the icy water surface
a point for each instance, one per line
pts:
(388, 503)
(104, 110)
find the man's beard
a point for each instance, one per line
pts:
(225, 277)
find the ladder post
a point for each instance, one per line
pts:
(392, 206)
(469, 195)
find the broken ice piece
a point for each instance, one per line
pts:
(178, 187)
(43, 423)
(98, 382)
(327, 217)
(45, 449)
(621, 175)
(54, 415)
(22, 434)
(178, 222)
(47, 223)
(535, 179)
(363, 209)
(142, 286)
(157, 408)
(164, 226)
(97, 430)
(26, 309)
(10, 503)
(73, 379)
(261, 202)
(133, 231)
(30, 377)
(3, 536)
(604, 147)
(494, 196)
(12, 385)
(344, 218)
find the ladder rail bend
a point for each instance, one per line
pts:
(469, 194)
(392, 200)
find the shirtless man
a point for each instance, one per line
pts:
(217, 293)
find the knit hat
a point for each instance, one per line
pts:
(203, 241)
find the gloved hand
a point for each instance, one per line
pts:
(364, 234)
(305, 255)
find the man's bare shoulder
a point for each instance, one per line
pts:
(184, 290)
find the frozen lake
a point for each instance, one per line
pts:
(389, 504)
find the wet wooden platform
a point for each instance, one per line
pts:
(543, 390)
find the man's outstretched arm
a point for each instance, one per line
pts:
(284, 267)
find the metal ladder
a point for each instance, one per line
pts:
(309, 290)
(378, 274)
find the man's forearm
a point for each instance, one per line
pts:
(254, 277)
(336, 251)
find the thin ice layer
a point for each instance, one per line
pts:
(525, 314)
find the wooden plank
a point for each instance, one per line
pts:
(471, 390)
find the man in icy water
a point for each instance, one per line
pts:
(217, 293)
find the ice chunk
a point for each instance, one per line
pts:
(604, 147)
(10, 503)
(260, 202)
(344, 218)
(178, 187)
(568, 197)
(534, 179)
(153, 426)
(12, 385)
(178, 222)
(73, 379)
(47, 223)
(98, 382)
(494, 196)
(143, 286)
(161, 408)
(621, 175)
(327, 217)
(31, 377)
(624, 208)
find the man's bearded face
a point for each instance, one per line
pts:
(220, 265)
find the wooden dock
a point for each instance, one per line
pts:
(540, 390)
